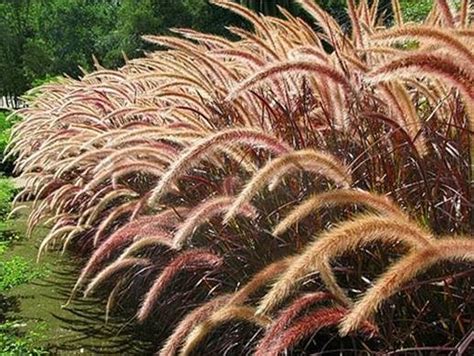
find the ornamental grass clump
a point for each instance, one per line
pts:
(292, 189)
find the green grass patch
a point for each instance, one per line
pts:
(16, 271)
(14, 340)
(16, 336)
(7, 191)
(6, 236)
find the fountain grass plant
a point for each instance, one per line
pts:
(295, 189)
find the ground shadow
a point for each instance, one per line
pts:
(80, 327)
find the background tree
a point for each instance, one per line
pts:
(45, 38)
(15, 30)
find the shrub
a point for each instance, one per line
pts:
(5, 132)
(240, 175)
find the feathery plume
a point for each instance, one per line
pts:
(425, 33)
(112, 298)
(445, 12)
(319, 162)
(407, 268)
(106, 200)
(220, 317)
(278, 326)
(162, 153)
(307, 325)
(398, 98)
(379, 203)
(123, 236)
(54, 233)
(294, 66)
(259, 279)
(226, 138)
(430, 64)
(205, 211)
(464, 13)
(116, 213)
(184, 327)
(138, 168)
(113, 269)
(397, 13)
(188, 260)
(327, 23)
(116, 171)
(346, 237)
(247, 14)
(356, 28)
(161, 238)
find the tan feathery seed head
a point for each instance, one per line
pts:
(123, 236)
(260, 279)
(53, 234)
(205, 211)
(285, 317)
(428, 64)
(464, 13)
(106, 200)
(224, 315)
(112, 269)
(445, 12)
(195, 153)
(402, 271)
(296, 66)
(158, 238)
(185, 326)
(348, 236)
(379, 203)
(309, 324)
(114, 214)
(397, 13)
(320, 162)
(188, 260)
(426, 33)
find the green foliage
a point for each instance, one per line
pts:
(47, 79)
(415, 10)
(5, 130)
(15, 341)
(136, 18)
(7, 235)
(70, 30)
(270, 7)
(267, 7)
(16, 271)
(42, 39)
(14, 35)
(5, 126)
(7, 191)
